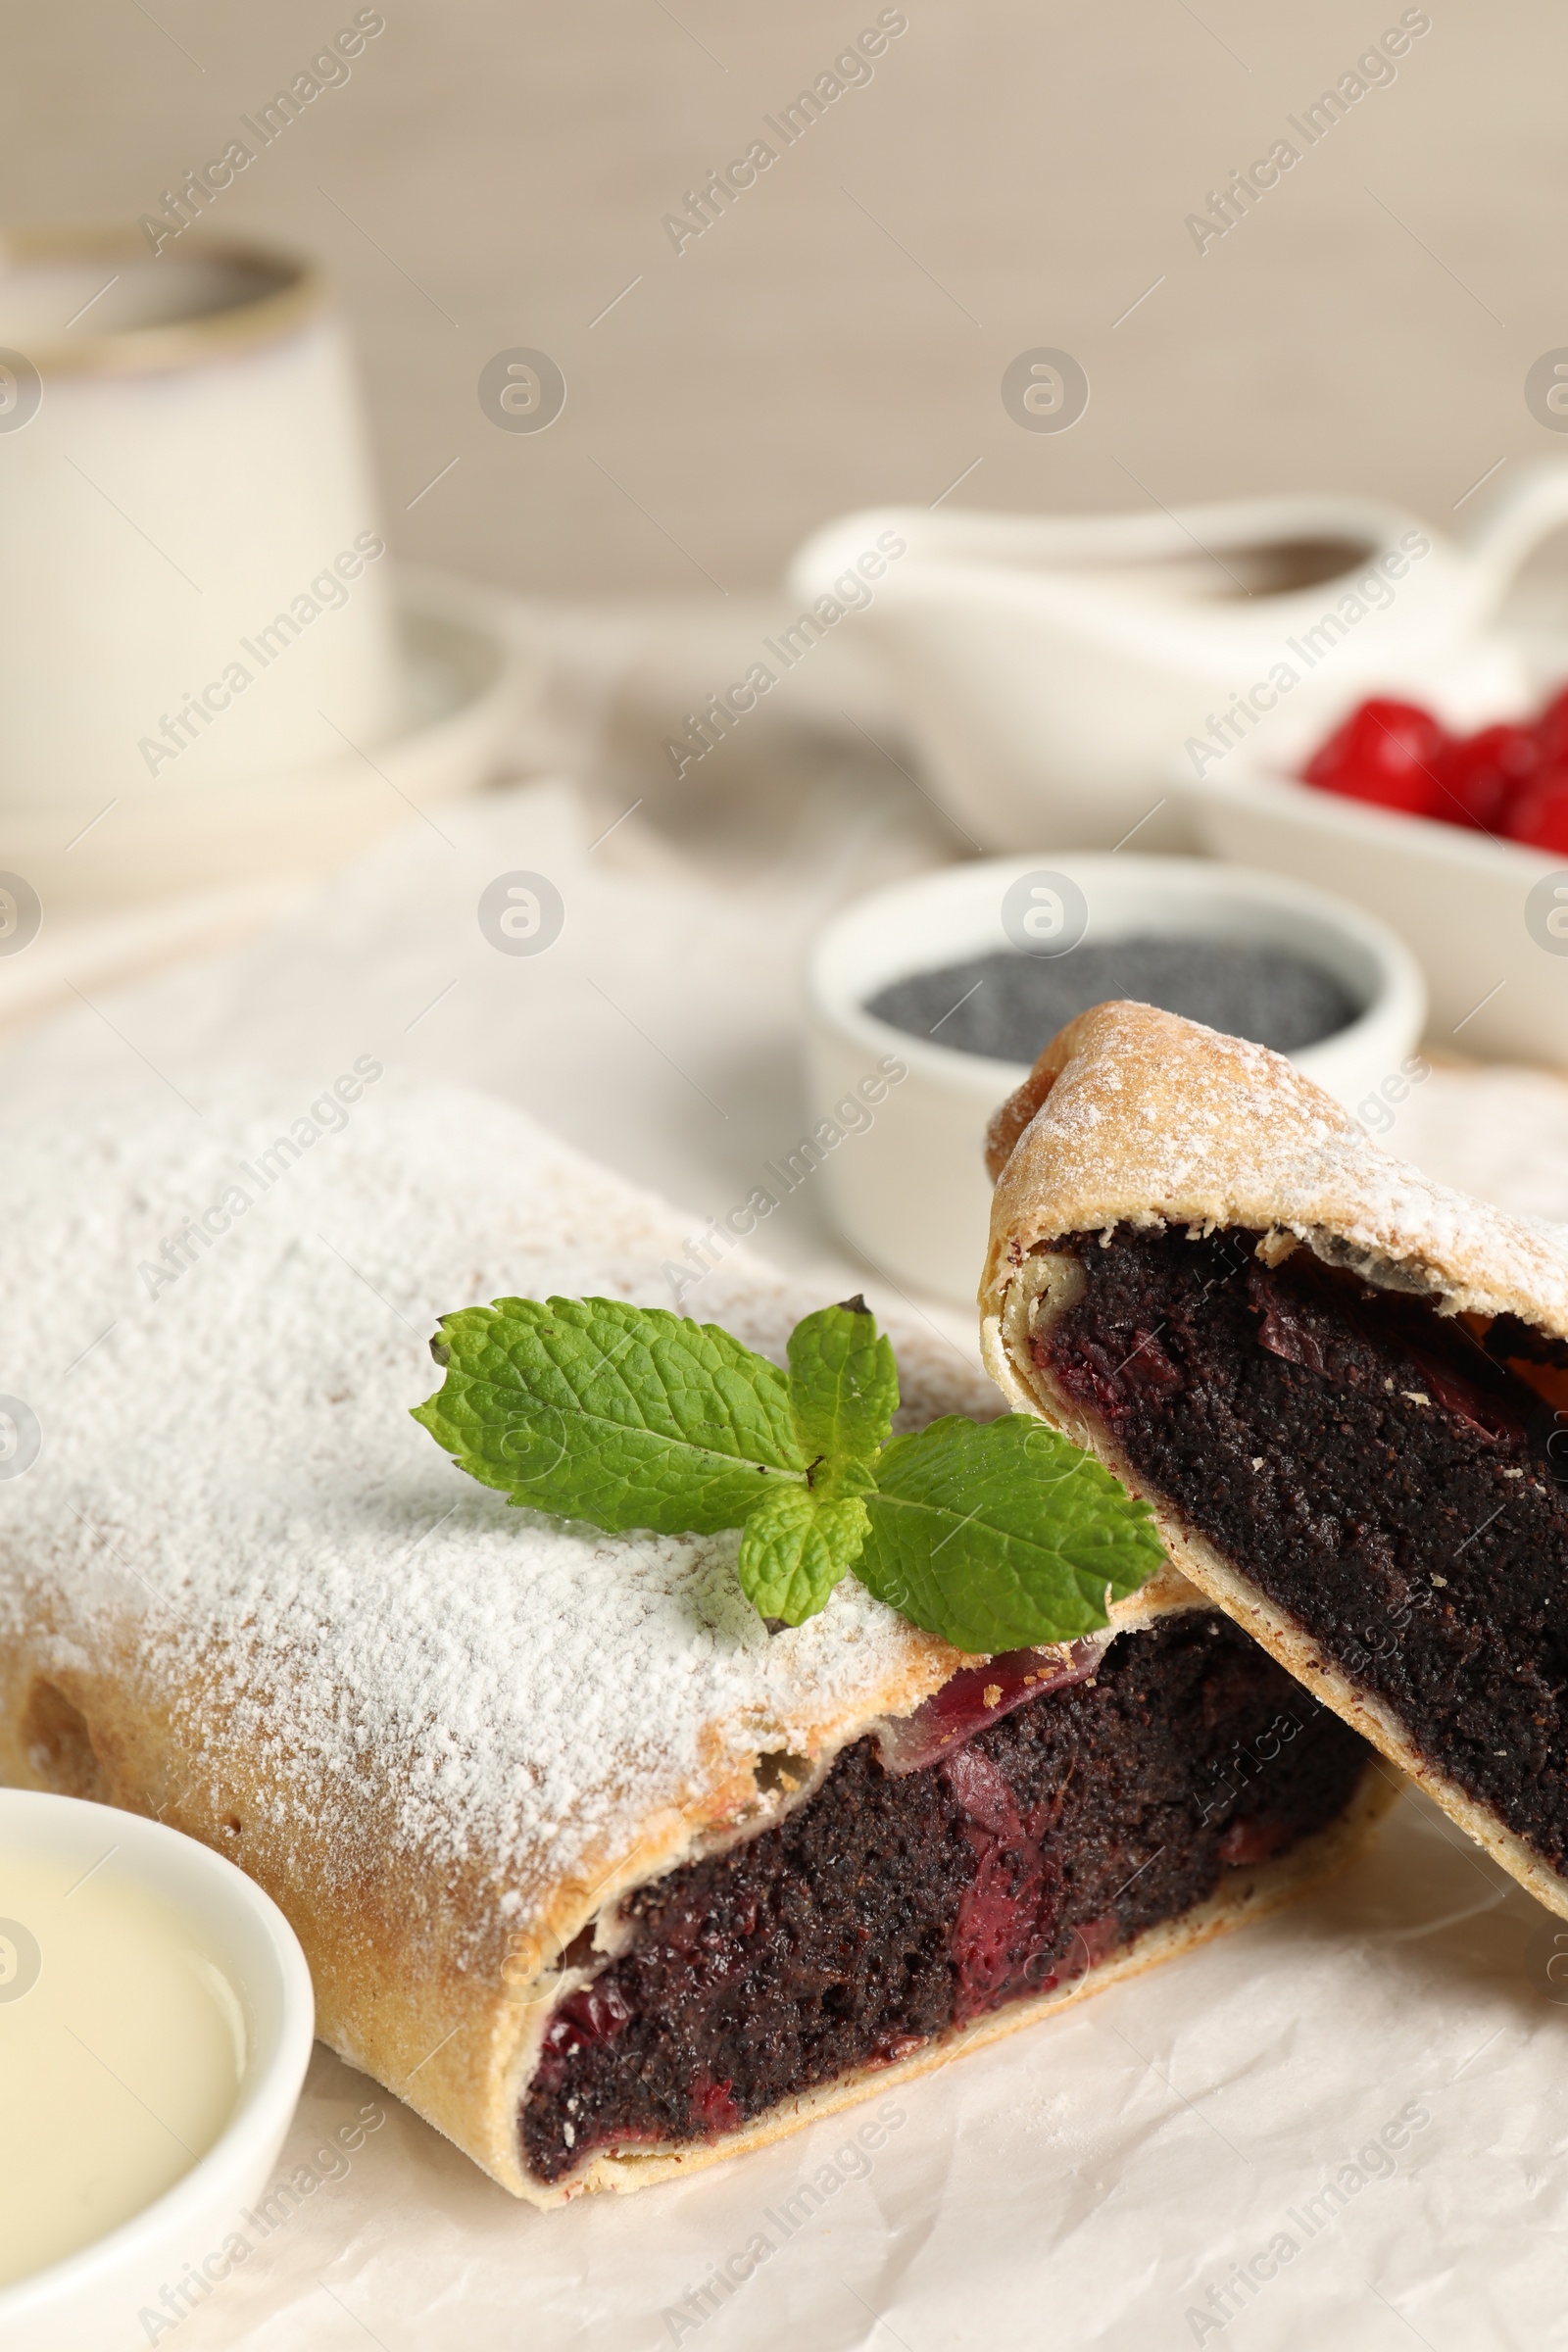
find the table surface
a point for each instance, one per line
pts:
(1116, 2163)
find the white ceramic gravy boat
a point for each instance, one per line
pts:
(1050, 666)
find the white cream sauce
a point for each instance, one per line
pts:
(122, 2048)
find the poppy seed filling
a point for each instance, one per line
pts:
(890, 1909)
(1385, 1474)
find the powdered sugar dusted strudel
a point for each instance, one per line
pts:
(601, 1876)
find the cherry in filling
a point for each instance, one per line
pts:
(895, 1906)
(1382, 1471)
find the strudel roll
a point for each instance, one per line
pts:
(1342, 1388)
(603, 1876)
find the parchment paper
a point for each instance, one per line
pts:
(1363, 2101)
(1092, 2183)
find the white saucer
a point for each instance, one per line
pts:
(463, 684)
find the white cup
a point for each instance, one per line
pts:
(194, 588)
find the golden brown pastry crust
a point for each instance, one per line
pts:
(1136, 1116)
(1132, 1116)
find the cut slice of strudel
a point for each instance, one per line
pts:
(1342, 1388)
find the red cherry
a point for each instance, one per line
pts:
(1539, 816)
(1386, 752)
(1551, 728)
(1479, 775)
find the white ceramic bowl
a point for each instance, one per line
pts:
(91, 2302)
(911, 1189)
(1459, 898)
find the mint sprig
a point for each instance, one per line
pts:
(997, 1534)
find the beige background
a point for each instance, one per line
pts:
(1030, 167)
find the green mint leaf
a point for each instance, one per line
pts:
(1000, 1535)
(626, 1416)
(993, 1535)
(844, 1387)
(795, 1549)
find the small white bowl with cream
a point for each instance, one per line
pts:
(905, 1180)
(156, 2020)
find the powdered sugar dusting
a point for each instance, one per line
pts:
(1156, 1117)
(233, 1506)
